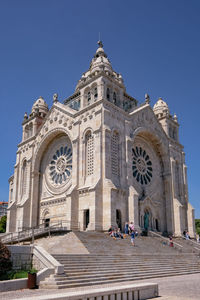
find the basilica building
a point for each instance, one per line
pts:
(98, 158)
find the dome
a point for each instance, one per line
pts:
(41, 105)
(161, 106)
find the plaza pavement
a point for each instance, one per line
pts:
(184, 287)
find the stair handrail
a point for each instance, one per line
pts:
(34, 231)
(175, 244)
(191, 241)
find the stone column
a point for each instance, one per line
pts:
(133, 207)
(34, 201)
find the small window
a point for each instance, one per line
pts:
(89, 97)
(95, 93)
(108, 94)
(114, 98)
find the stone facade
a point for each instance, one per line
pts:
(100, 159)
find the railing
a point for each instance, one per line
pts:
(31, 232)
(166, 240)
(193, 242)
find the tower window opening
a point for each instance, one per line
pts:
(89, 97)
(108, 94)
(95, 93)
(114, 98)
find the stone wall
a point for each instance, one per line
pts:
(21, 257)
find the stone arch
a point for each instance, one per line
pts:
(24, 175)
(87, 96)
(89, 153)
(46, 140)
(94, 91)
(115, 152)
(157, 140)
(37, 159)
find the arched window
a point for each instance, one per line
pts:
(24, 178)
(89, 154)
(115, 153)
(177, 179)
(11, 195)
(108, 94)
(174, 134)
(95, 93)
(26, 135)
(30, 129)
(89, 97)
(114, 98)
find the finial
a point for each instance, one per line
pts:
(25, 116)
(100, 44)
(147, 99)
(175, 118)
(55, 98)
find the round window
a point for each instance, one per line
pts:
(141, 165)
(61, 165)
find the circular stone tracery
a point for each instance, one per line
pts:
(61, 165)
(141, 165)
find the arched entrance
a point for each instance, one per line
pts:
(146, 219)
(119, 218)
(86, 218)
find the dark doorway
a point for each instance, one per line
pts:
(157, 227)
(87, 218)
(46, 223)
(119, 219)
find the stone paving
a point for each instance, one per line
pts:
(185, 287)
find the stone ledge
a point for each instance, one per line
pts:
(13, 285)
(138, 291)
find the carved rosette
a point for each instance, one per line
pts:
(61, 165)
(141, 166)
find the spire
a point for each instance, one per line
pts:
(100, 50)
(100, 64)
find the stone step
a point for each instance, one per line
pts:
(122, 269)
(119, 273)
(122, 256)
(55, 285)
(125, 261)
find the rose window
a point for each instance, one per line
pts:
(141, 165)
(61, 165)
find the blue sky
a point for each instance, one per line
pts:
(45, 46)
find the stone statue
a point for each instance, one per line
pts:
(55, 98)
(146, 221)
(147, 99)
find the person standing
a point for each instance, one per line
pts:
(133, 238)
(126, 228)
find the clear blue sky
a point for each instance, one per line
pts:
(45, 46)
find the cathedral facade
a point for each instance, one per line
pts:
(99, 159)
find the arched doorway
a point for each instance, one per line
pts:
(86, 218)
(157, 226)
(119, 219)
(147, 221)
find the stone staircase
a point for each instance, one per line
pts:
(111, 261)
(189, 246)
